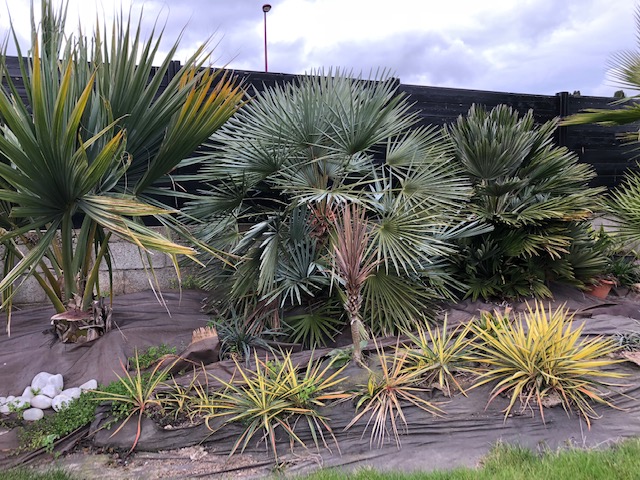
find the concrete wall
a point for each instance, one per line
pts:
(129, 274)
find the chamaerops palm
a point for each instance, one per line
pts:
(95, 137)
(281, 174)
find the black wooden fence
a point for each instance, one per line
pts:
(596, 145)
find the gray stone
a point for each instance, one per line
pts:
(61, 402)
(32, 414)
(89, 385)
(41, 401)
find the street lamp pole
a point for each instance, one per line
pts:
(265, 8)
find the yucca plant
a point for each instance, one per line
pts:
(537, 198)
(274, 397)
(382, 397)
(95, 137)
(541, 357)
(139, 394)
(283, 168)
(439, 354)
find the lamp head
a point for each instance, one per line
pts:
(266, 7)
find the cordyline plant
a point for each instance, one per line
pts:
(94, 139)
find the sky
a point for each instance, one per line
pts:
(523, 46)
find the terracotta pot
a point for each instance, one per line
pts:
(602, 289)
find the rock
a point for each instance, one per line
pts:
(19, 402)
(10, 399)
(61, 402)
(50, 391)
(4, 409)
(90, 385)
(56, 381)
(32, 414)
(40, 380)
(73, 393)
(3, 400)
(28, 393)
(41, 401)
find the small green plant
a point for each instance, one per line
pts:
(275, 396)
(629, 342)
(541, 357)
(316, 327)
(238, 339)
(440, 355)
(151, 355)
(138, 394)
(382, 397)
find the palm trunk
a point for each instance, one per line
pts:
(352, 306)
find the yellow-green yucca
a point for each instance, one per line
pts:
(542, 355)
(440, 354)
(276, 395)
(385, 392)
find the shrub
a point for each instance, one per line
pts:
(535, 195)
(541, 358)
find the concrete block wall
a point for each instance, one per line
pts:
(131, 273)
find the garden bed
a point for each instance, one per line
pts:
(461, 436)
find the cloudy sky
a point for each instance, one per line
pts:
(526, 46)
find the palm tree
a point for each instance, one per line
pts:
(536, 197)
(95, 138)
(284, 167)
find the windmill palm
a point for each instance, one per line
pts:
(94, 138)
(284, 166)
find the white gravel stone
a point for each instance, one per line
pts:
(50, 391)
(10, 398)
(32, 414)
(60, 402)
(41, 401)
(40, 380)
(56, 381)
(4, 409)
(3, 400)
(90, 385)
(19, 402)
(28, 393)
(74, 392)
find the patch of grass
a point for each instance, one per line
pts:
(27, 474)
(44, 432)
(506, 462)
(152, 354)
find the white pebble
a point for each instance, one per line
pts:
(4, 409)
(40, 380)
(32, 414)
(3, 400)
(10, 399)
(61, 402)
(19, 402)
(28, 393)
(74, 392)
(57, 382)
(89, 385)
(50, 391)
(41, 401)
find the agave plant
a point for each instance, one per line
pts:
(283, 170)
(537, 198)
(82, 155)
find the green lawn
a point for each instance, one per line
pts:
(513, 463)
